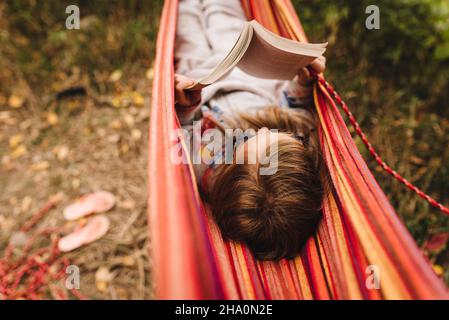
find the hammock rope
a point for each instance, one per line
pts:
(374, 153)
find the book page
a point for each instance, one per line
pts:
(230, 60)
(263, 54)
(272, 57)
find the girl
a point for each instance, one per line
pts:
(273, 214)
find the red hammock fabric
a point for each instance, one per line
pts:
(360, 231)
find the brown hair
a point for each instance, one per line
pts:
(273, 214)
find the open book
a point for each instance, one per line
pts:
(263, 54)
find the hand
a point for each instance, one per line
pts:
(186, 98)
(304, 75)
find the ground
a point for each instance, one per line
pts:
(74, 109)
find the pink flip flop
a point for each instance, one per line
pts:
(100, 201)
(94, 229)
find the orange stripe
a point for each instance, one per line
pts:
(192, 261)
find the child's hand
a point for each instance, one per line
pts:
(304, 75)
(184, 98)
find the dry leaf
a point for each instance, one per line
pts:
(114, 138)
(61, 152)
(87, 131)
(138, 99)
(13, 200)
(116, 124)
(6, 223)
(19, 151)
(437, 242)
(115, 76)
(26, 204)
(150, 74)
(128, 261)
(128, 204)
(52, 118)
(101, 132)
(40, 166)
(116, 102)
(129, 120)
(124, 148)
(416, 160)
(102, 278)
(16, 101)
(76, 183)
(136, 134)
(15, 140)
(438, 270)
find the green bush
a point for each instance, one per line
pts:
(396, 81)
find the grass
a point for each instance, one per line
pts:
(84, 142)
(396, 86)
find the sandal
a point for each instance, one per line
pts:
(94, 229)
(100, 201)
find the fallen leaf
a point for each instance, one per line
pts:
(87, 131)
(416, 160)
(61, 152)
(13, 201)
(128, 204)
(101, 132)
(116, 102)
(136, 134)
(128, 261)
(114, 138)
(138, 99)
(437, 242)
(6, 223)
(129, 120)
(40, 166)
(102, 278)
(76, 183)
(15, 140)
(116, 124)
(52, 118)
(124, 148)
(19, 151)
(26, 204)
(150, 74)
(16, 101)
(115, 76)
(438, 270)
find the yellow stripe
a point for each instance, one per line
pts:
(391, 284)
(343, 253)
(303, 280)
(248, 286)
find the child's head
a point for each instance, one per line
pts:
(273, 214)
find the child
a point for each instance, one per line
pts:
(273, 214)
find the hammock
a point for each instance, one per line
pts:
(360, 232)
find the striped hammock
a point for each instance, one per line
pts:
(360, 237)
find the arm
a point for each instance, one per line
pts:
(187, 102)
(298, 92)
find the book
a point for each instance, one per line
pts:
(263, 54)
